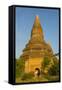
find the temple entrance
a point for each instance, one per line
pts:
(37, 72)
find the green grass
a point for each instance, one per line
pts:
(43, 78)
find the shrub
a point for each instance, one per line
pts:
(19, 67)
(45, 62)
(27, 76)
(54, 70)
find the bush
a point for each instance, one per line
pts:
(54, 70)
(46, 62)
(19, 67)
(27, 76)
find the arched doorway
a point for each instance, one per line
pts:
(37, 72)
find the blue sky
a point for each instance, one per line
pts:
(49, 19)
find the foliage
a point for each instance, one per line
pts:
(46, 61)
(54, 70)
(50, 66)
(19, 67)
(45, 64)
(27, 76)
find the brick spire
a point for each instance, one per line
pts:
(37, 31)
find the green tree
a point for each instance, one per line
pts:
(19, 67)
(45, 64)
(54, 70)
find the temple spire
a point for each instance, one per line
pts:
(37, 31)
(37, 22)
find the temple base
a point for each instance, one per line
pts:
(33, 63)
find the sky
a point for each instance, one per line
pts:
(49, 19)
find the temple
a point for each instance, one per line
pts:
(36, 48)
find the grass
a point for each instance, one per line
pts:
(43, 78)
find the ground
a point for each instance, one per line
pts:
(43, 78)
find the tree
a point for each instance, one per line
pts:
(45, 64)
(54, 70)
(19, 67)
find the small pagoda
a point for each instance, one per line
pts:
(36, 48)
